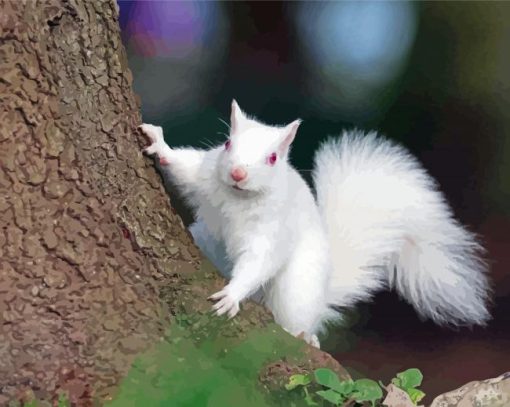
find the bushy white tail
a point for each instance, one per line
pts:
(388, 225)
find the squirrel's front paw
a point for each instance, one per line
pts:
(155, 135)
(228, 302)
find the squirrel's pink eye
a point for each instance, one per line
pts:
(271, 159)
(227, 145)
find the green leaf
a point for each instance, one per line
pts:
(415, 395)
(409, 379)
(329, 379)
(397, 382)
(331, 396)
(367, 390)
(345, 387)
(298, 380)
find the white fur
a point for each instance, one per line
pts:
(389, 224)
(378, 219)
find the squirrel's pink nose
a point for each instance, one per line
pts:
(238, 174)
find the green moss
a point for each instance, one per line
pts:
(204, 361)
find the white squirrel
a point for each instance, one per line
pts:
(378, 220)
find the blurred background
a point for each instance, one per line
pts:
(434, 76)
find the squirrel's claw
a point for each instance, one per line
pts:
(154, 133)
(233, 311)
(155, 136)
(226, 304)
(217, 296)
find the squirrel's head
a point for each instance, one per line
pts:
(255, 154)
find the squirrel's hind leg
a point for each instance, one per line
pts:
(298, 303)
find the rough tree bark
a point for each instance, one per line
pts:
(89, 242)
(83, 214)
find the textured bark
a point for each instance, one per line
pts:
(83, 214)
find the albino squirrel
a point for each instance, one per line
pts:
(378, 220)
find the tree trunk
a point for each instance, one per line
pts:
(93, 260)
(83, 214)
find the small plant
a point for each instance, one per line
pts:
(408, 381)
(334, 391)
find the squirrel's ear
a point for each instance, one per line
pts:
(288, 132)
(236, 117)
